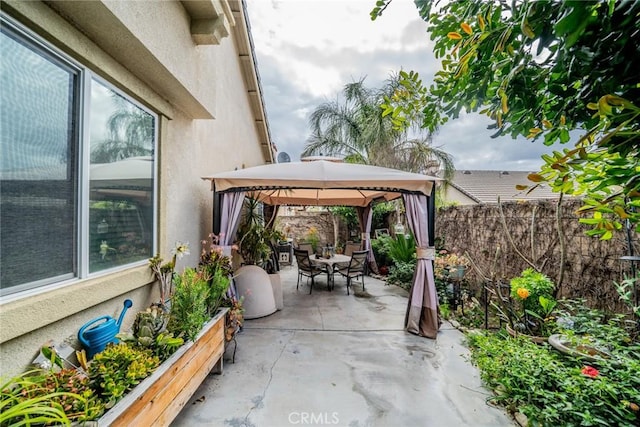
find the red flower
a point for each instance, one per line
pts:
(590, 371)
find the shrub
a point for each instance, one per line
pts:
(552, 389)
(189, 305)
(535, 291)
(401, 274)
(380, 247)
(531, 285)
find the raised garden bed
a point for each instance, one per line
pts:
(159, 398)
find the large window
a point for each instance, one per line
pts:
(76, 169)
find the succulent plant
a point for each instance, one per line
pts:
(149, 332)
(42, 397)
(118, 369)
(149, 324)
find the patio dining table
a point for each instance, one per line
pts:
(330, 264)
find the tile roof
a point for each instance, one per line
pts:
(484, 186)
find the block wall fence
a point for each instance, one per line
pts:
(591, 265)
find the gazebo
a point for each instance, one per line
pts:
(326, 183)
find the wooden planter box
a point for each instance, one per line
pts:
(159, 398)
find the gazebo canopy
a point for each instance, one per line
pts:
(322, 183)
(327, 183)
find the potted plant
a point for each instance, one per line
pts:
(189, 304)
(253, 235)
(49, 395)
(253, 283)
(450, 265)
(219, 271)
(233, 322)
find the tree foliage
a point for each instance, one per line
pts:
(356, 128)
(542, 69)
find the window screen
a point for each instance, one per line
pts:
(54, 226)
(38, 139)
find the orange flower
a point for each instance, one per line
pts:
(523, 293)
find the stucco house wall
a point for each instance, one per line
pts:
(453, 196)
(187, 61)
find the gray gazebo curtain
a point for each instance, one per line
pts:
(229, 219)
(365, 219)
(422, 310)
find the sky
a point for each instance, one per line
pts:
(307, 50)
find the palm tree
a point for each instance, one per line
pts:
(355, 129)
(131, 133)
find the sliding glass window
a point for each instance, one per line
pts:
(76, 169)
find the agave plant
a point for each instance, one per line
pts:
(149, 324)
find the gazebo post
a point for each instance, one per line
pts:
(431, 209)
(217, 205)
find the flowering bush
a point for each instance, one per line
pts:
(213, 259)
(531, 284)
(446, 263)
(534, 290)
(552, 389)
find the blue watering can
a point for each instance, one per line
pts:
(95, 337)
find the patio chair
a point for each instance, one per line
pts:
(306, 267)
(350, 247)
(306, 247)
(356, 268)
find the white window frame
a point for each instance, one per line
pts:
(85, 77)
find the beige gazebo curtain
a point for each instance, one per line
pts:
(422, 310)
(365, 218)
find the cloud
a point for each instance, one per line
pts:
(469, 140)
(307, 50)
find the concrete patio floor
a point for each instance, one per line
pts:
(332, 359)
